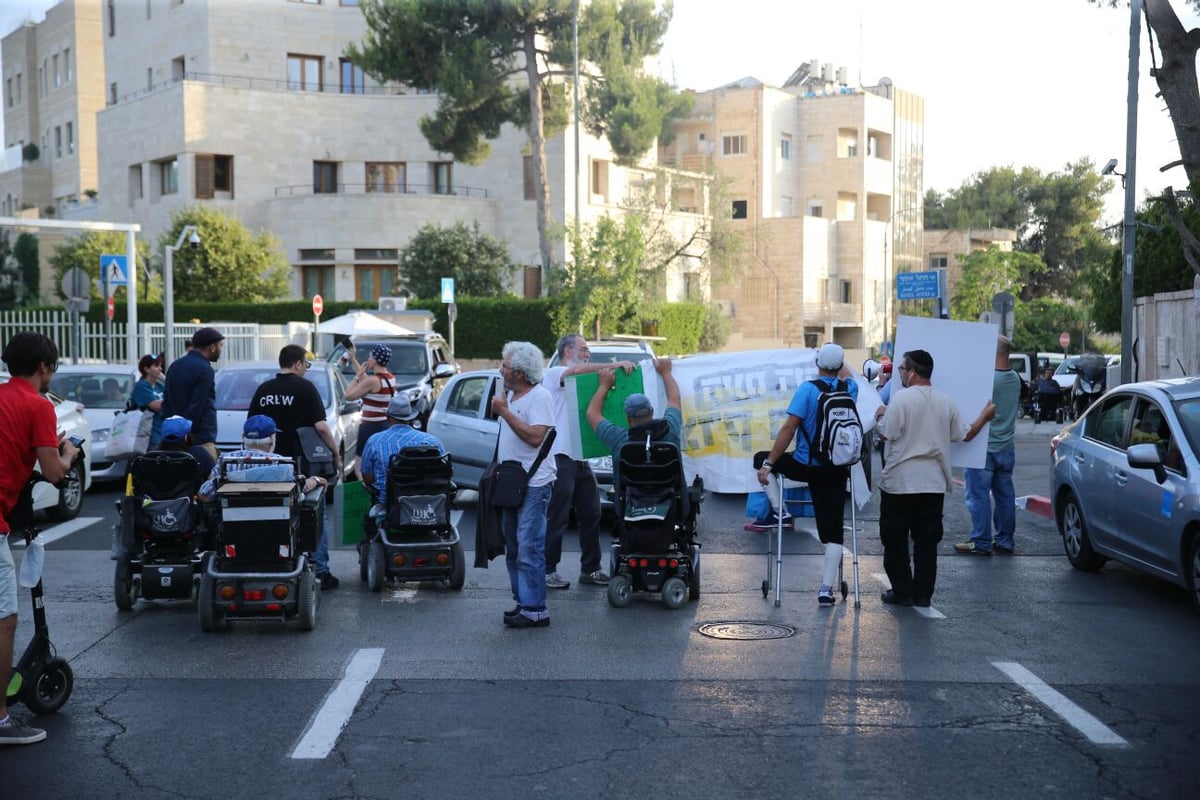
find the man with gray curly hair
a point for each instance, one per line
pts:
(526, 413)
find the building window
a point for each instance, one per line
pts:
(376, 254)
(135, 183)
(42, 79)
(599, 180)
(785, 147)
(18, 88)
(149, 78)
(304, 72)
(439, 172)
(112, 17)
(938, 261)
(530, 189)
(316, 254)
(67, 71)
(387, 176)
(8, 91)
(353, 78)
(213, 174)
(785, 206)
(756, 292)
(70, 138)
(740, 208)
(325, 177)
(847, 143)
(348, 2)
(846, 289)
(57, 74)
(317, 280)
(375, 281)
(57, 141)
(168, 176)
(733, 145)
(178, 69)
(112, 93)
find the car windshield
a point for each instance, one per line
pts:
(408, 358)
(1189, 416)
(236, 385)
(93, 389)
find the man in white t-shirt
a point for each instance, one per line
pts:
(917, 427)
(526, 413)
(575, 485)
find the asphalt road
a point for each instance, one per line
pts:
(1026, 676)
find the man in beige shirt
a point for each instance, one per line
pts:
(917, 427)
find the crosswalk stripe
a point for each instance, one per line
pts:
(1095, 730)
(326, 725)
(59, 531)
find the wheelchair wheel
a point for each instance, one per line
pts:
(362, 559)
(124, 592)
(47, 691)
(376, 568)
(694, 578)
(674, 592)
(206, 606)
(309, 597)
(620, 591)
(458, 575)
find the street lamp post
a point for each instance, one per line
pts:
(1130, 223)
(169, 288)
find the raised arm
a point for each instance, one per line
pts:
(596, 405)
(663, 367)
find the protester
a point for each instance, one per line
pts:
(258, 442)
(148, 393)
(191, 388)
(638, 412)
(177, 437)
(376, 386)
(995, 480)
(826, 481)
(917, 428)
(398, 435)
(574, 484)
(28, 435)
(292, 402)
(526, 413)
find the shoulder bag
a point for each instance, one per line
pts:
(508, 481)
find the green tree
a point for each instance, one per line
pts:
(985, 273)
(1040, 321)
(497, 62)
(84, 251)
(231, 263)
(477, 261)
(604, 288)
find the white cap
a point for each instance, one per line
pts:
(831, 356)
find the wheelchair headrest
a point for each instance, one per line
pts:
(163, 475)
(655, 429)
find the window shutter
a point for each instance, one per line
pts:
(204, 177)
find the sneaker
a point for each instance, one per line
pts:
(971, 549)
(890, 598)
(556, 581)
(17, 732)
(770, 522)
(328, 581)
(599, 578)
(522, 621)
(512, 612)
(826, 598)
(1001, 551)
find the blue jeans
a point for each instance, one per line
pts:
(321, 555)
(525, 550)
(993, 482)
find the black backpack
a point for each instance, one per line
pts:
(839, 435)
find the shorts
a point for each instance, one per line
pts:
(8, 581)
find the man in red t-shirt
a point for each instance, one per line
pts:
(28, 434)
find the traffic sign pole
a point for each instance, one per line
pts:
(318, 306)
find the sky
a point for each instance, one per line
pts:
(1038, 83)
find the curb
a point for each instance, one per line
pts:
(1036, 504)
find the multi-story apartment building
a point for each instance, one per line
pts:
(944, 249)
(252, 108)
(825, 184)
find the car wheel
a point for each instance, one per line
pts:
(1076, 542)
(1194, 569)
(70, 495)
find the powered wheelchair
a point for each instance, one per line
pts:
(263, 528)
(656, 549)
(413, 539)
(159, 538)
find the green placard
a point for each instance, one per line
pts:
(354, 501)
(613, 409)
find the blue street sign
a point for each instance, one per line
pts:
(447, 290)
(113, 270)
(917, 285)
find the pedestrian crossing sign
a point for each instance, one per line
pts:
(113, 272)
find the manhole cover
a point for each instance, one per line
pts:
(743, 630)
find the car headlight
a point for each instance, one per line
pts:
(100, 436)
(413, 394)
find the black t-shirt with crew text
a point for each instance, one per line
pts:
(292, 402)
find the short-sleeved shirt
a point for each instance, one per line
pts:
(615, 437)
(552, 380)
(804, 405)
(27, 422)
(918, 427)
(293, 403)
(385, 444)
(209, 489)
(1006, 394)
(535, 407)
(145, 393)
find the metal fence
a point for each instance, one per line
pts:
(96, 342)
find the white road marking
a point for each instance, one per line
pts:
(928, 613)
(1095, 730)
(60, 531)
(397, 594)
(326, 725)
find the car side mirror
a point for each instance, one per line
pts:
(444, 370)
(1145, 456)
(350, 406)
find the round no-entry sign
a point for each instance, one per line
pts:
(1064, 340)
(318, 305)
(111, 308)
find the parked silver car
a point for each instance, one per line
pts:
(1126, 481)
(235, 389)
(102, 390)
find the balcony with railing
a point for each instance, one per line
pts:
(835, 313)
(307, 189)
(268, 84)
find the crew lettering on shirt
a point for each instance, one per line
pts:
(276, 400)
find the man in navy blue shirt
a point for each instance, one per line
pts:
(191, 388)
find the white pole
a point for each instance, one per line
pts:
(168, 304)
(131, 322)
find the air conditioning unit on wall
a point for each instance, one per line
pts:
(393, 303)
(725, 307)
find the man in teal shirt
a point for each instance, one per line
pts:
(995, 480)
(638, 411)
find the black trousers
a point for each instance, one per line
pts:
(918, 516)
(826, 486)
(574, 487)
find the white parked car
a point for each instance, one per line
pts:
(102, 390)
(66, 504)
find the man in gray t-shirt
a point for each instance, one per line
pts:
(995, 480)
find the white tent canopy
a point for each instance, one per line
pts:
(362, 323)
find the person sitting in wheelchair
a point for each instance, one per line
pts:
(373, 466)
(258, 444)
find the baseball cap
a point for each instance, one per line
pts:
(402, 408)
(831, 356)
(176, 428)
(257, 427)
(203, 337)
(638, 405)
(382, 354)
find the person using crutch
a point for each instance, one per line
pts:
(826, 482)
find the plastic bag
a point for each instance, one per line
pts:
(31, 565)
(130, 435)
